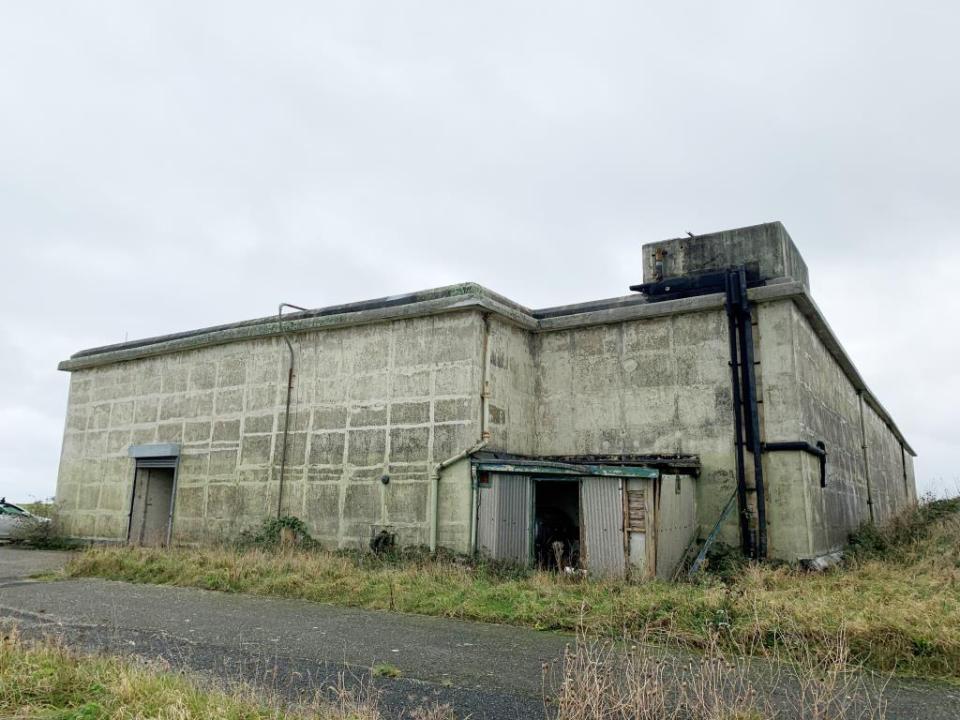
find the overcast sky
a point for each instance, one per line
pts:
(167, 166)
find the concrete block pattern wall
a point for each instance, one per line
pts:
(830, 410)
(514, 386)
(396, 396)
(367, 401)
(644, 386)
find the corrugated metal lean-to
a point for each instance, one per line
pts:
(503, 530)
(601, 509)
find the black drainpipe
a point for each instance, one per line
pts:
(286, 414)
(746, 537)
(738, 309)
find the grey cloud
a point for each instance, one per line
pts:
(172, 166)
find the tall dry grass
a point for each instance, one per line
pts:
(639, 680)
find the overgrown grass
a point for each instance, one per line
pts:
(605, 680)
(44, 679)
(593, 680)
(897, 600)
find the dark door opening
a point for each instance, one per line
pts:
(556, 517)
(152, 506)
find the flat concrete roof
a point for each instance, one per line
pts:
(471, 296)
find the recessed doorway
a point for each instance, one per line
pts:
(556, 517)
(152, 506)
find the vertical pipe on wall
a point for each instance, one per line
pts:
(286, 414)
(745, 539)
(435, 483)
(906, 481)
(751, 407)
(474, 507)
(866, 455)
(743, 382)
(484, 432)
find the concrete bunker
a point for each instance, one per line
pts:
(722, 356)
(606, 520)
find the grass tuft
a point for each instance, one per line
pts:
(44, 679)
(386, 670)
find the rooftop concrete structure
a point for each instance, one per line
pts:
(767, 248)
(393, 403)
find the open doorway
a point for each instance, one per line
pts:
(152, 506)
(556, 517)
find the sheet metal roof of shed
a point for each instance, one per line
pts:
(529, 466)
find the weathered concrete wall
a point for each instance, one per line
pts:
(399, 395)
(787, 486)
(659, 385)
(829, 410)
(663, 385)
(95, 480)
(891, 470)
(392, 398)
(512, 377)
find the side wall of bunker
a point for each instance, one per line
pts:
(387, 399)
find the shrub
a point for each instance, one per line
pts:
(269, 535)
(41, 508)
(44, 535)
(725, 561)
(905, 534)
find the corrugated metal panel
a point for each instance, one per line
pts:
(601, 510)
(487, 518)
(676, 523)
(503, 528)
(515, 511)
(157, 462)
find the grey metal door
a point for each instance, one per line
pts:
(151, 507)
(601, 508)
(503, 530)
(138, 506)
